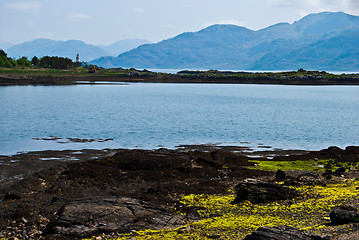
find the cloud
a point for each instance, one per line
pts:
(29, 23)
(354, 4)
(334, 5)
(78, 17)
(25, 6)
(304, 7)
(139, 10)
(44, 35)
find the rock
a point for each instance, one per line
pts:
(309, 178)
(11, 196)
(281, 233)
(259, 191)
(95, 215)
(280, 175)
(339, 171)
(343, 214)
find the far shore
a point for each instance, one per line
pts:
(34, 76)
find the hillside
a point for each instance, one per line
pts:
(69, 49)
(322, 41)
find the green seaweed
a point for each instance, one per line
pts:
(224, 220)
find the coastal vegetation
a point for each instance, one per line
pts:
(62, 71)
(44, 62)
(221, 219)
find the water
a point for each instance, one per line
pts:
(147, 115)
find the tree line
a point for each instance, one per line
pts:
(44, 62)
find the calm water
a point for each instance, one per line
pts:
(152, 115)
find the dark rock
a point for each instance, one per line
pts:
(280, 175)
(282, 233)
(258, 191)
(96, 215)
(343, 214)
(309, 178)
(352, 150)
(327, 172)
(11, 196)
(339, 171)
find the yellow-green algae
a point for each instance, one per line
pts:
(311, 165)
(225, 220)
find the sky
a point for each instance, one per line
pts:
(107, 21)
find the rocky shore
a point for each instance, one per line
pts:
(105, 76)
(119, 193)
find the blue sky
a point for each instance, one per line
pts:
(107, 21)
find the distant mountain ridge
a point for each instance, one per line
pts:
(87, 52)
(321, 41)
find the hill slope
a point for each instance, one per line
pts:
(47, 47)
(323, 40)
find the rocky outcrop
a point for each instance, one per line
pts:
(282, 233)
(349, 154)
(343, 214)
(259, 191)
(91, 216)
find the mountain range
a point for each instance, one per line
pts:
(321, 41)
(87, 52)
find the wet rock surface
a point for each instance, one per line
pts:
(62, 190)
(349, 154)
(282, 233)
(261, 192)
(344, 214)
(95, 215)
(62, 194)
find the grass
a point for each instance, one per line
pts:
(223, 220)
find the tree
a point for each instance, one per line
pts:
(5, 61)
(57, 63)
(35, 61)
(23, 61)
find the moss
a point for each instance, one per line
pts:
(224, 220)
(311, 165)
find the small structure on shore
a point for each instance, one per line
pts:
(78, 58)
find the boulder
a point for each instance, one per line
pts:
(11, 196)
(308, 178)
(280, 175)
(96, 215)
(282, 233)
(339, 171)
(343, 214)
(259, 191)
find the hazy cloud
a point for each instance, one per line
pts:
(29, 23)
(78, 16)
(333, 5)
(139, 10)
(25, 6)
(49, 35)
(304, 7)
(354, 4)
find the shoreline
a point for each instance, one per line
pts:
(42, 191)
(110, 76)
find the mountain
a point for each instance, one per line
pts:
(87, 52)
(47, 47)
(323, 41)
(122, 46)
